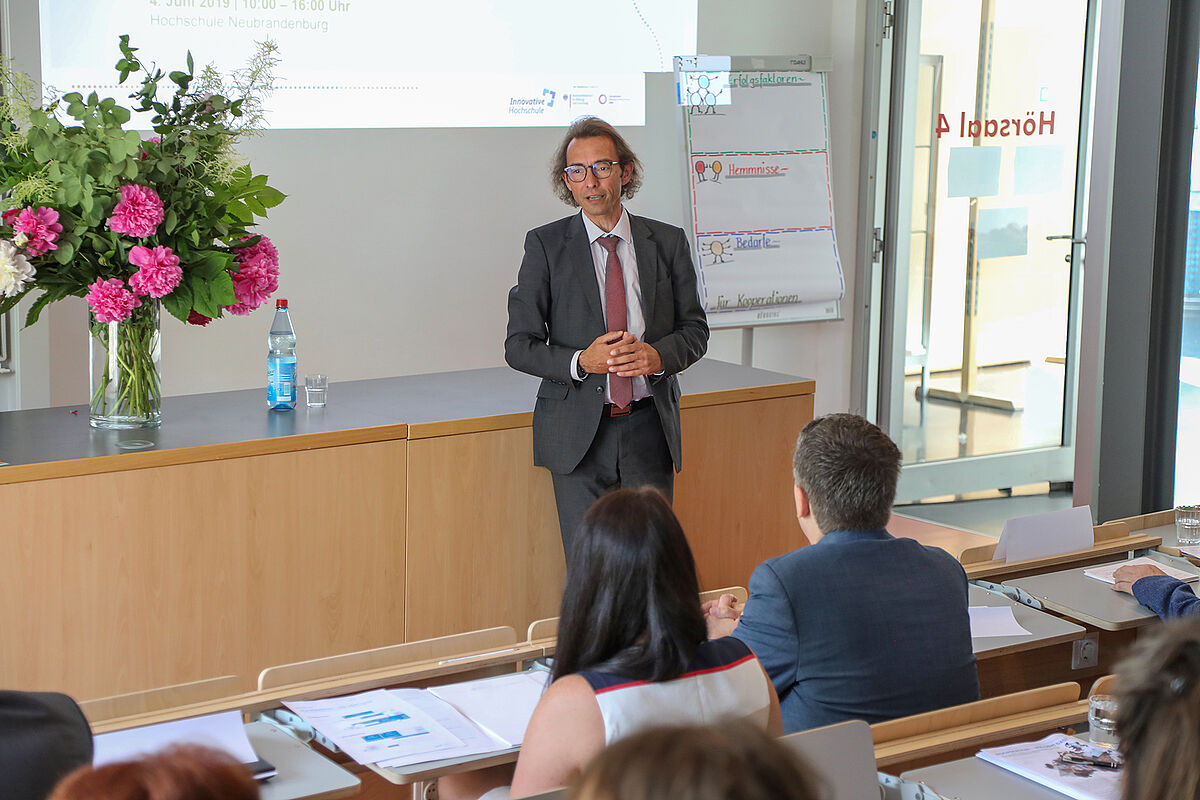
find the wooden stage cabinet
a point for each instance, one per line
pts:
(234, 538)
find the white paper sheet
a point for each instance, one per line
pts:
(987, 621)
(1041, 535)
(500, 706)
(376, 726)
(1105, 571)
(474, 740)
(223, 731)
(1192, 550)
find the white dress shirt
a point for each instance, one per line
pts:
(635, 317)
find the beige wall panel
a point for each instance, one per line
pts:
(124, 581)
(734, 495)
(482, 522)
(483, 546)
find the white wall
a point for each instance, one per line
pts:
(398, 247)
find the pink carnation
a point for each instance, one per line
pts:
(40, 229)
(110, 301)
(160, 272)
(8, 216)
(139, 211)
(261, 251)
(258, 275)
(252, 285)
(196, 318)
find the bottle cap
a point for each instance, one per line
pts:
(281, 303)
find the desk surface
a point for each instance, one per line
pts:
(303, 773)
(1047, 629)
(974, 779)
(1087, 600)
(62, 433)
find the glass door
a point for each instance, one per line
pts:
(982, 241)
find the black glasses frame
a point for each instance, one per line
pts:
(606, 163)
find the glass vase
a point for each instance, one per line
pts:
(125, 372)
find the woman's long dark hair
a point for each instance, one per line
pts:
(631, 604)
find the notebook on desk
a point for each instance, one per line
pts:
(223, 732)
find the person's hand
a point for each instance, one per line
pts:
(630, 359)
(721, 616)
(1125, 577)
(595, 358)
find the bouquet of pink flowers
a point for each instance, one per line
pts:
(95, 211)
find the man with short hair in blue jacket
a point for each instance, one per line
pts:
(859, 624)
(1166, 596)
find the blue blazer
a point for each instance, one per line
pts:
(1166, 596)
(861, 625)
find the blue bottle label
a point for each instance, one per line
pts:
(281, 381)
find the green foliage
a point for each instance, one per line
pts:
(73, 154)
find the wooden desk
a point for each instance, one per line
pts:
(1009, 664)
(405, 509)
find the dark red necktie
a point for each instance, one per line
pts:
(619, 389)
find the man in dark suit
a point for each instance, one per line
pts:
(43, 736)
(605, 312)
(859, 624)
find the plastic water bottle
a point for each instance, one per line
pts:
(281, 361)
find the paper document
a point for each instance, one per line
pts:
(501, 706)
(376, 726)
(1047, 762)
(474, 740)
(1049, 534)
(223, 731)
(994, 621)
(1104, 572)
(1192, 550)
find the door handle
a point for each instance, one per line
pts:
(1066, 236)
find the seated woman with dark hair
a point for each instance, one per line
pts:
(180, 773)
(1158, 713)
(632, 651)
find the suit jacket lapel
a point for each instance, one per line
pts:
(647, 259)
(579, 252)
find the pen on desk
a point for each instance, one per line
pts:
(476, 655)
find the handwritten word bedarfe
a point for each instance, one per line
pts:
(1032, 124)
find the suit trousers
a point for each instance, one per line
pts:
(628, 452)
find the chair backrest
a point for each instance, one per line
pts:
(1105, 684)
(543, 629)
(737, 591)
(458, 644)
(843, 756)
(124, 705)
(971, 713)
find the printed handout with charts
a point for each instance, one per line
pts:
(400, 727)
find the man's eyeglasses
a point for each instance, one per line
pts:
(601, 169)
